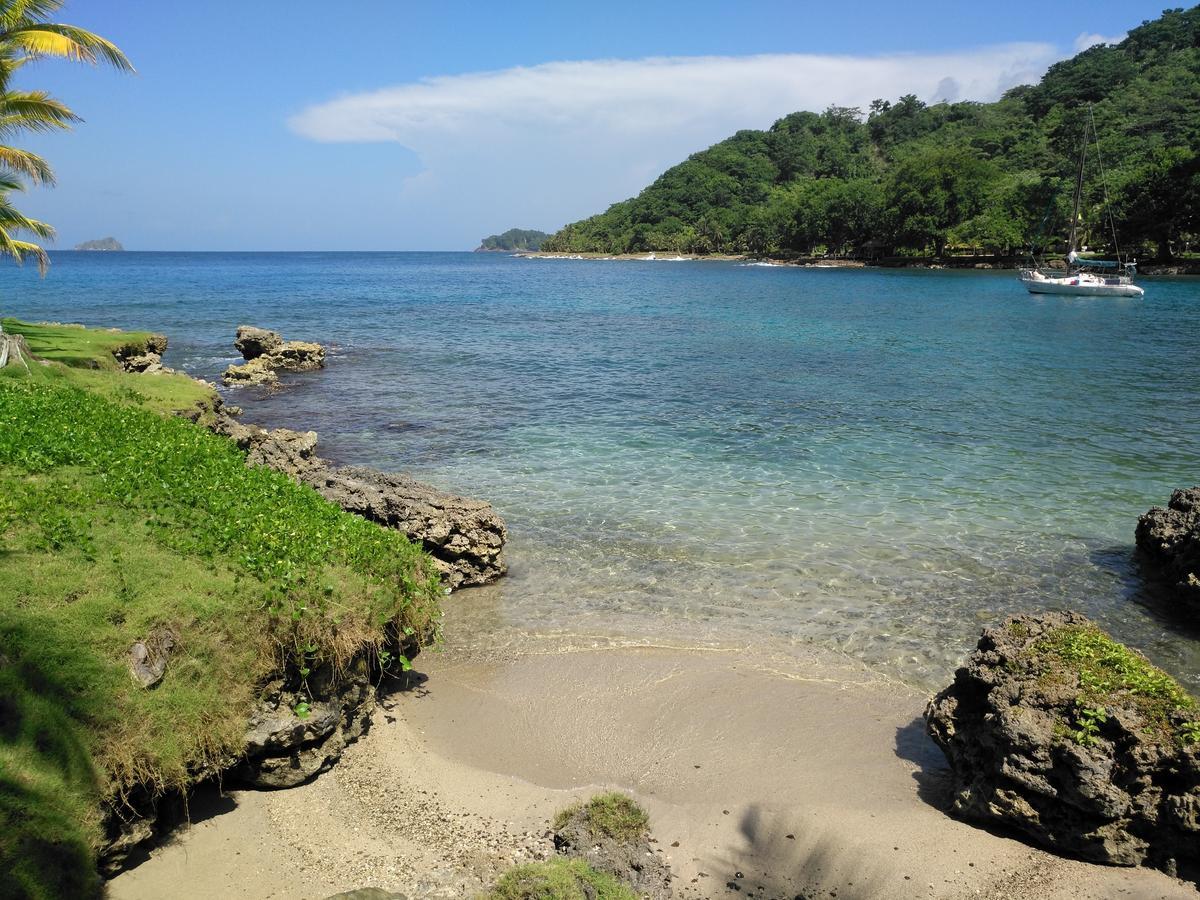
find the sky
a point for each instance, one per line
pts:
(365, 125)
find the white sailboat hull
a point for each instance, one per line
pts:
(1080, 285)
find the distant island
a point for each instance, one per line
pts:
(108, 243)
(513, 239)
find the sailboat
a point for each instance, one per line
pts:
(1086, 276)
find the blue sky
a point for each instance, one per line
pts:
(399, 126)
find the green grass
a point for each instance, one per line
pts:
(76, 346)
(1107, 673)
(610, 814)
(558, 879)
(115, 520)
(83, 358)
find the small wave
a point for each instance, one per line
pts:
(762, 264)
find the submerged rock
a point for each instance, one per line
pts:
(266, 353)
(1056, 730)
(1169, 542)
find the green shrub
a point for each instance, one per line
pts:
(558, 879)
(611, 814)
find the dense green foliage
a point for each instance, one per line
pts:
(114, 521)
(514, 239)
(908, 178)
(558, 879)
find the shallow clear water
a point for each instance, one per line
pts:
(878, 461)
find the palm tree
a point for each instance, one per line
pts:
(26, 34)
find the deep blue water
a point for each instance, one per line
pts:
(879, 461)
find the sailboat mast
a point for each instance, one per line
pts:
(1078, 193)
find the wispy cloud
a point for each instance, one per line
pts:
(1090, 39)
(536, 146)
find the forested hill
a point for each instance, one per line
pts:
(907, 178)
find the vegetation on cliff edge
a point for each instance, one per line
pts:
(115, 521)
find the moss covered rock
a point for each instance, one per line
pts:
(1057, 730)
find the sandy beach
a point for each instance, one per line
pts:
(766, 775)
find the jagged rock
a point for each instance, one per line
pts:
(629, 858)
(298, 732)
(1051, 728)
(1169, 542)
(297, 356)
(253, 342)
(254, 373)
(465, 537)
(266, 353)
(148, 658)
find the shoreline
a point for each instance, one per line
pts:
(812, 778)
(983, 263)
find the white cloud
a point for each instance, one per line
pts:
(1090, 39)
(538, 146)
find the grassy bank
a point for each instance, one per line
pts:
(116, 520)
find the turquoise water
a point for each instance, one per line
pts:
(878, 461)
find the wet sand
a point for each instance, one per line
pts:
(807, 774)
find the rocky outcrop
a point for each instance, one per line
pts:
(254, 342)
(144, 357)
(296, 730)
(1056, 730)
(1169, 542)
(300, 730)
(267, 354)
(626, 855)
(465, 537)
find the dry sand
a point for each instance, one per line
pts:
(765, 777)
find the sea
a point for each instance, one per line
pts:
(878, 462)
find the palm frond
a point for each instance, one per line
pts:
(34, 111)
(24, 162)
(9, 182)
(13, 12)
(67, 42)
(11, 220)
(20, 250)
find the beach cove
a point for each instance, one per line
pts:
(656, 675)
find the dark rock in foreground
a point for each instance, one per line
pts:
(1056, 730)
(1169, 542)
(465, 537)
